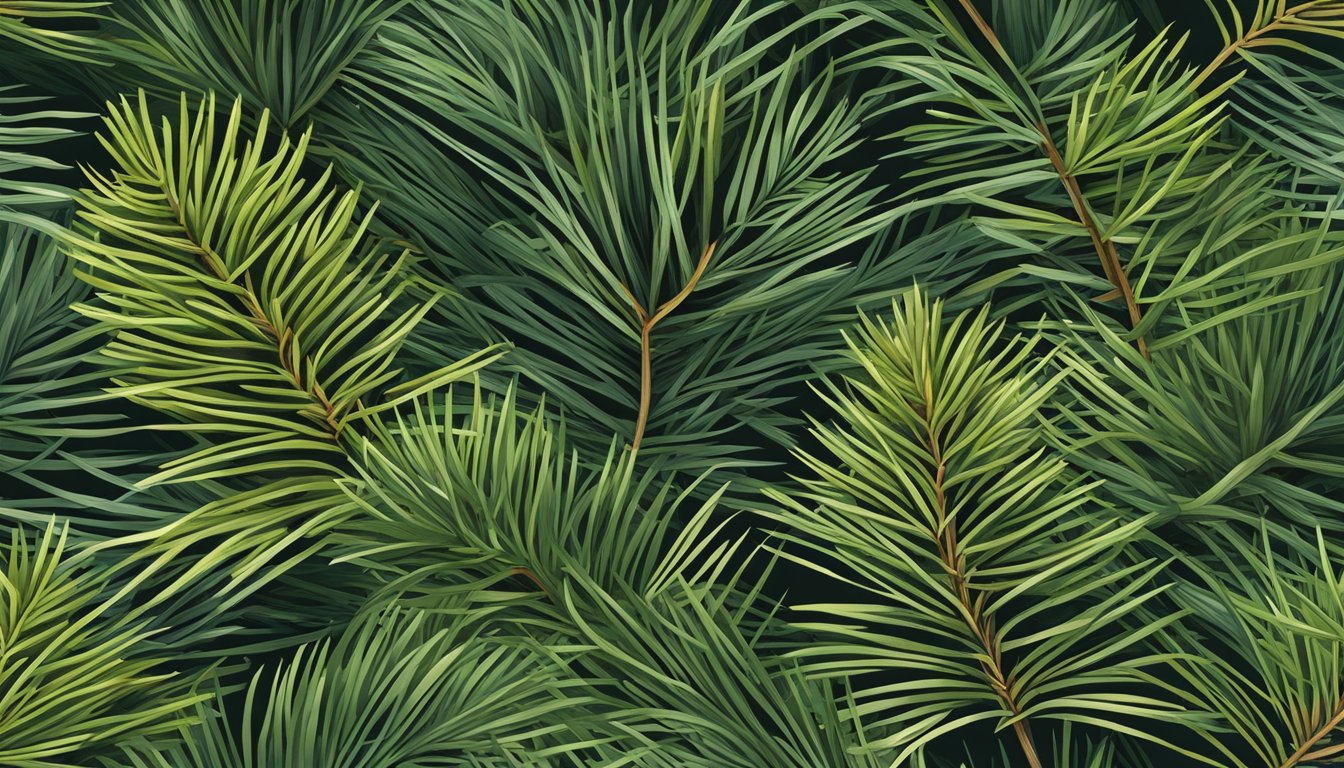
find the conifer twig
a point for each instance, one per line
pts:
(215, 264)
(1249, 39)
(1304, 754)
(972, 610)
(1105, 248)
(1106, 253)
(646, 328)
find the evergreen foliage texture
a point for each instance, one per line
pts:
(671, 383)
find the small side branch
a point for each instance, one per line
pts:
(1250, 40)
(646, 324)
(252, 304)
(1304, 753)
(971, 607)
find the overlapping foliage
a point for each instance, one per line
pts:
(814, 383)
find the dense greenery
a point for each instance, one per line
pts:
(721, 383)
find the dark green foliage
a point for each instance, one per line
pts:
(689, 384)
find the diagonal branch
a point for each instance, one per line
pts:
(1249, 39)
(646, 328)
(1105, 248)
(1106, 252)
(215, 264)
(1304, 753)
(972, 609)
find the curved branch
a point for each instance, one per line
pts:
(1249, 39)
(531, 576)
(646, 324)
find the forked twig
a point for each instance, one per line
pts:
(646, 324)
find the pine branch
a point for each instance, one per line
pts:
(1106, 252)
(401, 685)
(520, 205)
(285, 364)
(24, 154)
(971, 609)
(939, 505)
(487, 489)
(282, 56)
(252, 304)
(79, 673)
(1305, 754)
(1265, 649)
(1273, 16)
(248, 305)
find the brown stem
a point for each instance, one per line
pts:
(646, 324)
(252, 304)
(1106, 252)
(530, 576)
(1246, 40)
(1304, 753)
(985, 29)
(954, 563)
